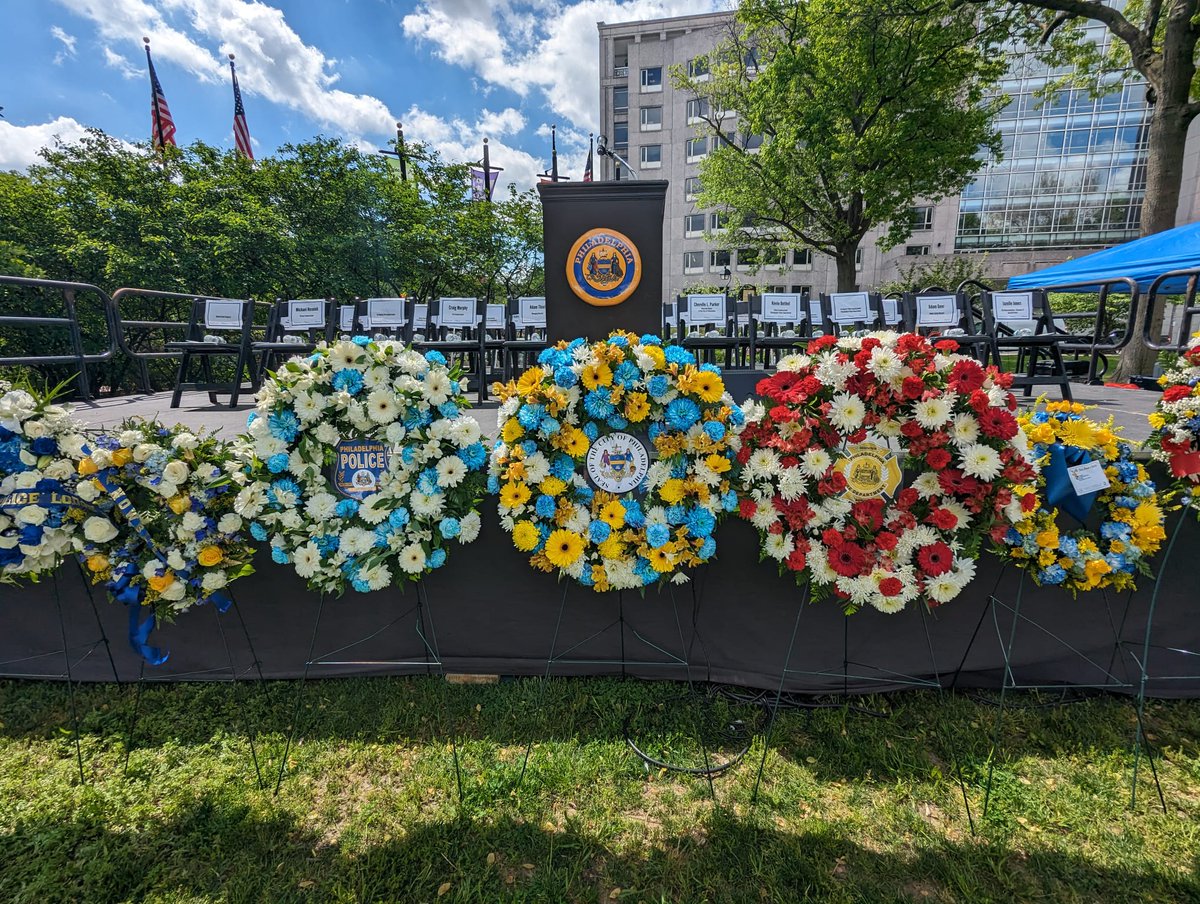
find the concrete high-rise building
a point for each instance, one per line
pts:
(1071, 180)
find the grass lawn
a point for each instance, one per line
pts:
(854, 807)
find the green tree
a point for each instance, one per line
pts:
(862, 108)
(1158, 40)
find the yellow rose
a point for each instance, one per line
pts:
(179, 504)
(161, 582)
(122, 457)
(210, 556)
(87, 467)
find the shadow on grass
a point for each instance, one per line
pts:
(214, 849)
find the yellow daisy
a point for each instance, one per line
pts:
(514, 494)
(594, 376)
(563, 547)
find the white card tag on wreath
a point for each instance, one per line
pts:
(1088, 478)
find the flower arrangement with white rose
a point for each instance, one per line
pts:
(39, 514)
(361, 465)
(170, 539)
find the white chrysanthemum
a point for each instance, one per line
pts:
(412, 559)
(377, 577)
(846, 412)
(320, 506)
(885, 364)
(965, 429)
(464, 431)
(426, 506)
(932, 413)
(888, 428)
(308, 407)
(437, 387)
(469, 526)
(376, 378)
(355, 541)
(791, 484)
(764, 516)
(927, 485)
(815, 462)
(981, 461)
(307, 559)
(537, 468)
(778, 546)
(764, 462)
(451, 471)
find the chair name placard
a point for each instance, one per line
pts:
(496, 316)
(346, 317)
(305, 313)
(1010, 306)
(891, 311)
(814, 310)
(385, 312)
(458, 312)
(222, 315)
(937, 310)
(706, 309)
(849, 307)
(532, 310)
(781, 307)
(420, 316)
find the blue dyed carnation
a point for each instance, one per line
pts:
(658, 535)
(714, 430)
(348, 380)
(437, 558)
(681, 413)
(598, 531)
(277, 463)
(545, 506)
(450, 528)
(677, 355)
(346, 508)
(435, 357)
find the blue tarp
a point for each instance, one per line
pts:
(1142, 259)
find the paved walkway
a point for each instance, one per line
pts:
(1128, 407)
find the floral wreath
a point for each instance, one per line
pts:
(1131, 519)
(361, 465)
(39, 513)
(823, 450)
(1175, 438)
(170, 539)
(614, 461)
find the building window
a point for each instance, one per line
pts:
(697, 109)
(718, 260)
(620, 133)
(916, 250)
(802, 290)
(651, 156)
(651, 119)
(621, 99)
(691, 187)
(750, 142)
(858, 259)
(921, 219)
(748, 258)
(802, 258)
(696, 149)
(774, 257)
(698, 67)
(693, 262)
(652, 79)
(693, 225)
(718, 220)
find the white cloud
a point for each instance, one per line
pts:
(549, 46)
(115, 61)
(68, 45)
(460, 141)
(19, 145)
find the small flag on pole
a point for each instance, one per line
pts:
(587, 167)
(478, 191)
(163, 126)
(241, 132)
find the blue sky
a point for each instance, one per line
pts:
(452, 70)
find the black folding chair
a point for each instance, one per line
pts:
(850, 311)
(936, 312)
(1039, 355)
(210, 317)
(456, 329)
(707, 325)
(383, 318)
(526, 337)
(295, 327)
(779, 324)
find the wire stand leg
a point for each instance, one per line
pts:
(233, 675)
(425, 611)
(983, 614)
(941, 691)
(783, 673)
(712, 791)
(1004, 686)
(131, 728)
(312, 645)
(562, 608)
(87, 586)
(74, 707)
(1140, 738)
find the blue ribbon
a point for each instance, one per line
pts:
(1060, 491)
(124, 591)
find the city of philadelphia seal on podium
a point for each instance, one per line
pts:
(604, 267)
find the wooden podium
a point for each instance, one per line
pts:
(603, 254)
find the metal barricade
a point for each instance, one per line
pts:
(1189, 313)
(43, 329)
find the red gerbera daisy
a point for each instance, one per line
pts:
(848, 559)
(934, 559)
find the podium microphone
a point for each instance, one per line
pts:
(604, 150)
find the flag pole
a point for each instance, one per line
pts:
(487, 173)
(553, 154)
(400, 151)
(154, 100)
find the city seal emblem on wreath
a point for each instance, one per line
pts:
(604, 267)
(617, 462)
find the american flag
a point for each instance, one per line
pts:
(161, 124)
(241, 132)
(587, 167)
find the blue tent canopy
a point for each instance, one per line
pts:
(1142, 259)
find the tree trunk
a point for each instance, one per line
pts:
(1164, 176)
(847, 272)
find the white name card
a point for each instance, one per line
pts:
(706, 309)
(385, 312)
(937, 310)
(497, 316)
(1088, 478)
(346, 317)
(814, 310)
(532, 310)
(223, 315)
(420, 316)
(781, 307)
(891, 311)
(849, 307)
(458, 312)
(305, 313)
(1010, 306)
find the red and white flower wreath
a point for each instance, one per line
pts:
(950, 424)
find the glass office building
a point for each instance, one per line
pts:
(1073, 171)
